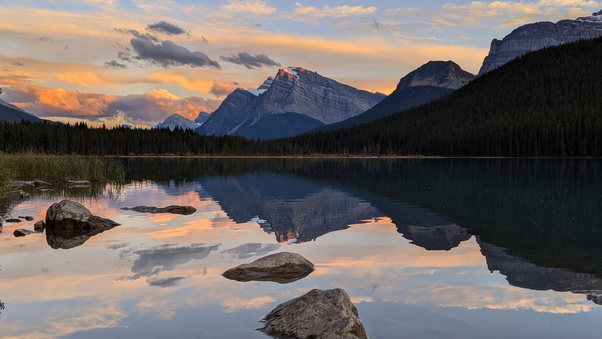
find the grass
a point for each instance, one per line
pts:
(58, 168)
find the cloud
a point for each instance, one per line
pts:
(253, 7)
(504, 14)
(333, 12)
(169, 256)
(137, 109)
(17, 64)
(221, 89)
(166, 28)
(157, 105)
(136, 34)
(115, 64)
(250, 61)
(45, 39)
(167, 53)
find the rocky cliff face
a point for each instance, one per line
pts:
(229, 115)
(294, 101)
(539, 35)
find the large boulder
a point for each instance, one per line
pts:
(174, 209)
(321, 314)
(71, 215)
(283, 268)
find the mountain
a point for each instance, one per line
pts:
(203, 116)
(296, 100)
(535, 36)
(13, 113)
(177, 120)
(546, 103)
(427, 83)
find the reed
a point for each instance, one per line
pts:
(58, 168)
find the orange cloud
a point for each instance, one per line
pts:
(221, 89)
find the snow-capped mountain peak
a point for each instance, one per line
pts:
(177, 120)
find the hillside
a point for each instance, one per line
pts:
(12, 113)
(547, 103)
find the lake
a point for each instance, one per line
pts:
(426, 248)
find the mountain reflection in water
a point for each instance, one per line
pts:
(412, 241)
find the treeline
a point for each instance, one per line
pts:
(547, 103)
(83, 140)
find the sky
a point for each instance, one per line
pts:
(137, 62)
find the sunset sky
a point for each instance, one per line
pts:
(139, 61)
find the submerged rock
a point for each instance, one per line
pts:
(39, 183)
(28, 217)
(67, 214)
(15, 220)
(22, 232)
(283, 268)
(39, 226)
(23, 195)
(174, 209)
(78, 183)
(317, 314)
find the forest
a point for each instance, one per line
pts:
(546, 103)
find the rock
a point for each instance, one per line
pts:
(174, 209)
(535, 36)
(23, 195)
(39, 183)
(283, 268)
(19, 183)
(28, 218)
(39, 226)
(15, 220)
(22, 232)
(78, 183)
(69, 214)
(317, 314)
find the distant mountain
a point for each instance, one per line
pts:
(12, 113)
(203, 116)
(427, 83)
(296, 100)
(177, 120)
(535, 36)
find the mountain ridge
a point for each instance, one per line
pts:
(426, 83)
(294, 101)
(538, 35)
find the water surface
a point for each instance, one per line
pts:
(438, 248)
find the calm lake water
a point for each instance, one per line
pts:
(433, 248)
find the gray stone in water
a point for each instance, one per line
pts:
(321, 314)
(39, 183)
(283, 268)
(23, 195)
(22, 232)
(69, 214)
(39, 226)
(28, 218)
(78, 183)
(15, 220)
(174, 209)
